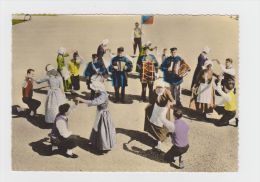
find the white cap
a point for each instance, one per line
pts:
(49, 67)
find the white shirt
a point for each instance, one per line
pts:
(63, 127)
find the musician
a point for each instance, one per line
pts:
(203, 57)
(94, 68)
(147, 75)
(170, 68)
(119, 67)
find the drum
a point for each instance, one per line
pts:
(148, 71)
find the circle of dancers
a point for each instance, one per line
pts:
(164, 111)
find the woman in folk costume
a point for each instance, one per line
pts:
(203, 57)
(119, 67)
(56, 96)
(102, 48)
(157, 111)
(203, 88)
(95, 70)
(103, 135)
(62, 68)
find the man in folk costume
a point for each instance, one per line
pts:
(158, 111)
(229, 110)
(228, 71)
(171, 67)
(147, 66)
(62, 68)
(61, 138)
(203, 57)
(179, 138)
(137, 38)
(74, 66)
(149, 45)
(95, 70)
(119, 67)
(33, 104)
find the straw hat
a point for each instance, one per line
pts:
(206, 49)
(105, 42)
(97, 86)
(61, 50)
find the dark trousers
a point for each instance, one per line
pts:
(175, 151)
(122, 93)
(75, 82)
(33, 104)
(137, 42)
(65, 143)
(150, 87)
(176, 93)
(226, 115)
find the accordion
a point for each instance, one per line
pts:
(121, 66)
(148, 71)
(183, 69)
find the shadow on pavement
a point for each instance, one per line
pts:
(152, 154)
(141, 137)
(38, 120)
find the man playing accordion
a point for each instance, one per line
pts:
(147, 66)
(174, 69)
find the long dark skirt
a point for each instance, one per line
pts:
(159, 133)
(105, 136)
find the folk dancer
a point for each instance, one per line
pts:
(27, 90)
(56, 96)
(95, 70)
(203, 89)
(229, 109)
(157, 111)
(203, 57)
(179, 137)
(74, 66)
(119, 67)
(62, 139)
(147, 67)
(62, 68)
(103, 134)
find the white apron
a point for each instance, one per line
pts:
(159, 114)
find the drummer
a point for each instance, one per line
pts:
(147, 76)
(170, 67)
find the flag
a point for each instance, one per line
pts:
(145, 19)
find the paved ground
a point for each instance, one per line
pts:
(35, 44)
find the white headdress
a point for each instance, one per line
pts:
(206, 49)
(105, 42)
(61, 50)
(147, 43)
(97, 86)
(207, 63)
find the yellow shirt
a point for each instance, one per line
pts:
(74, 67)
(231, 105)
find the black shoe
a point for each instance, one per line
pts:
(221, 124)
(73, 156)
(236, 122)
